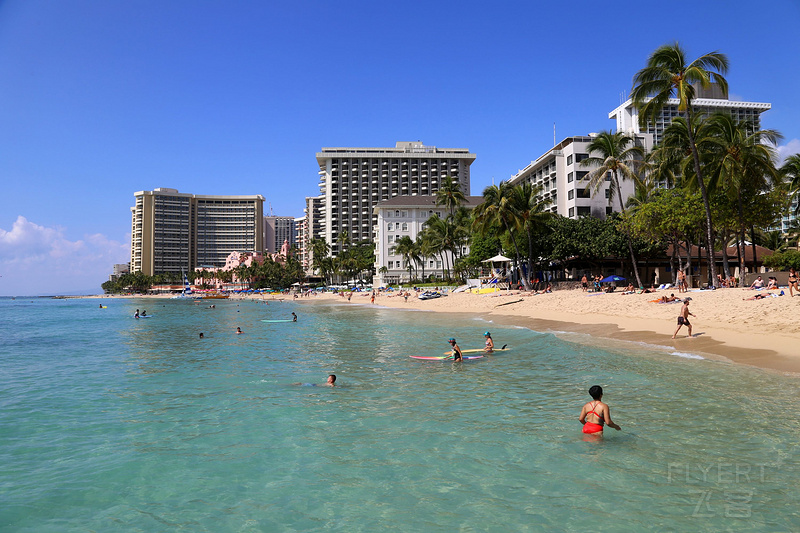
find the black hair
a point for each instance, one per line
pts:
(596, 392)
(333, 376)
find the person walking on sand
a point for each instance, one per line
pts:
(585, 283)
(792, 281)
(595, 413)
(683, 318)
(372, 299)
(456, 350)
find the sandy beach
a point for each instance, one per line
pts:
(762, 333)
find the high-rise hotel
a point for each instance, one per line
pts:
(354, 180)
(174, 232)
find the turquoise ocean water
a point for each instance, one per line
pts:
(108, 423)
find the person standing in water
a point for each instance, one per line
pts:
(595, 413)
(294, 317)
(456, 350)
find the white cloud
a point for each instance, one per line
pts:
(36, 259)
(784, 151)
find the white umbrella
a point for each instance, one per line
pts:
(497, 259)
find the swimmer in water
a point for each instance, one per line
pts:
(331, 382)
(489, 343)
(239, 331)
(294, 317)
(201, 335)
(594, 414)
(136, 314)
(144, 313)
(456, 350)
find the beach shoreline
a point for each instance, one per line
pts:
(727, 327)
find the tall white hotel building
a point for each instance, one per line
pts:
(354, 180)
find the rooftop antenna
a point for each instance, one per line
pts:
(554, 133)
(270, 210)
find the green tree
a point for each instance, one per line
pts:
(741, 162)
(497, 209)
(532, 214)
(408, 249)
(791, 171)
(617, 154)
(450, 194)
(668, 74)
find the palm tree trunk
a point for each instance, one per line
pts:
(525, 281)
(726, 267)
(630, 240)
(753, 243)
(704, 194)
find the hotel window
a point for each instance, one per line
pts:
(581, 175)
(569, 159)
(608, 176)
(584, 211)
(581, 157)
(608, 211)
(583, 193)
(397, 213)
(389, 226)
(570, 177)
(570, 194)
(405, 226)
(608, 193)
(571, 211)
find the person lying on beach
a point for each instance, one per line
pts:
(758, 297)
(594, 414)
(683, 318)
(666, 300)
(757, 284)
(456, 350)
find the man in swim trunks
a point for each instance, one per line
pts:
(331, 381)
(456, 350)
(683, 318)
(584, 283)
(757, 284)
(595, 413)
(489, 343)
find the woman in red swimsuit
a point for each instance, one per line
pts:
(595, 413)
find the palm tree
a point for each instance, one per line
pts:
(739, 161)
(791, 169)
(666, 74)
(497, 209)
(532, 214)
(617, 155)
(406, 247)
(450, 194)
(439, 232)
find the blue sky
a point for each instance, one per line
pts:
(101, 99)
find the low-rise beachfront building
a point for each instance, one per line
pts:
(176, 232)
(563, 180)
(405, 216)
(354, 180)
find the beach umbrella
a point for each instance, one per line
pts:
(612, 278)
(497, 259)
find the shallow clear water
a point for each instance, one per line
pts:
(116, 424)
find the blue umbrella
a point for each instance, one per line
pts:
(612, 278)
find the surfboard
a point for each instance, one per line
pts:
(448, 358)
(145, 316)
(479, 350)
(284, 320)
